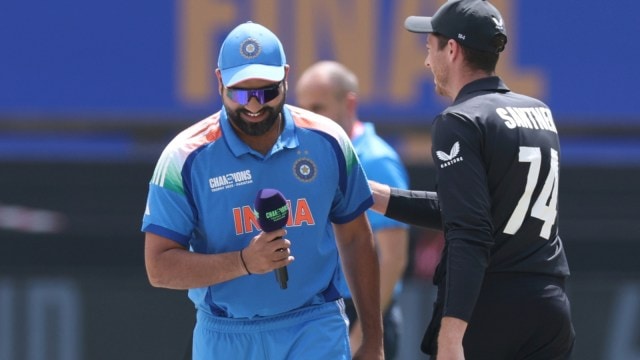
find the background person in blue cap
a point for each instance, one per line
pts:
(202, 233)
(330, 89)
(501, 280)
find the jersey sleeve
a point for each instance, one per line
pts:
(169, 212)
(353, 195)
(415, 207)
(466, 210)
(391, 172)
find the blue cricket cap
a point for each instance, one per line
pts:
(251, 51)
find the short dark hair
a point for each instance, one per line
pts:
(477, 59)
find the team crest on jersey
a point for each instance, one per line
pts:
(250, 48)
(450, 158)
(305, 169)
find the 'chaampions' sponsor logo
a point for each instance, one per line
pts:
(231, 180)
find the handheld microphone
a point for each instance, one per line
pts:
(272, 213)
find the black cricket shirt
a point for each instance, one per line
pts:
(497, 158)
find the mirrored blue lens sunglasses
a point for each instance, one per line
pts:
(263, 95)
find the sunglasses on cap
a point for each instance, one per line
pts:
(263, 95)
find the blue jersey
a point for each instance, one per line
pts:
(202, 195)
(381, 163)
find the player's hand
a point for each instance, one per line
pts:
(268, 251)
(368, 349)
(381, 194)
(450, 354)
(450, 339)
(355, 336)
(366, 352)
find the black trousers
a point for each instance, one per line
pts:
(391, 323)
(517, 317)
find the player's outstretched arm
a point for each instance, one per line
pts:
(419, 208)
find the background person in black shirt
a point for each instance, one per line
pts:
(502, 275)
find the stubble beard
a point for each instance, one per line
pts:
(440, 80)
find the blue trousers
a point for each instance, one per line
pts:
(316, 332)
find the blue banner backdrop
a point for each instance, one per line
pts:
(154, 59)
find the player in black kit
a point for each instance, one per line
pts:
(501, 280)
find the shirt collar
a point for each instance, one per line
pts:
(489, 83)
(287, 138)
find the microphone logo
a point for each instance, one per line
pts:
(276, 215)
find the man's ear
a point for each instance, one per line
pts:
(220, 84)
(352, 103)
(454, 50)
(286, 77)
